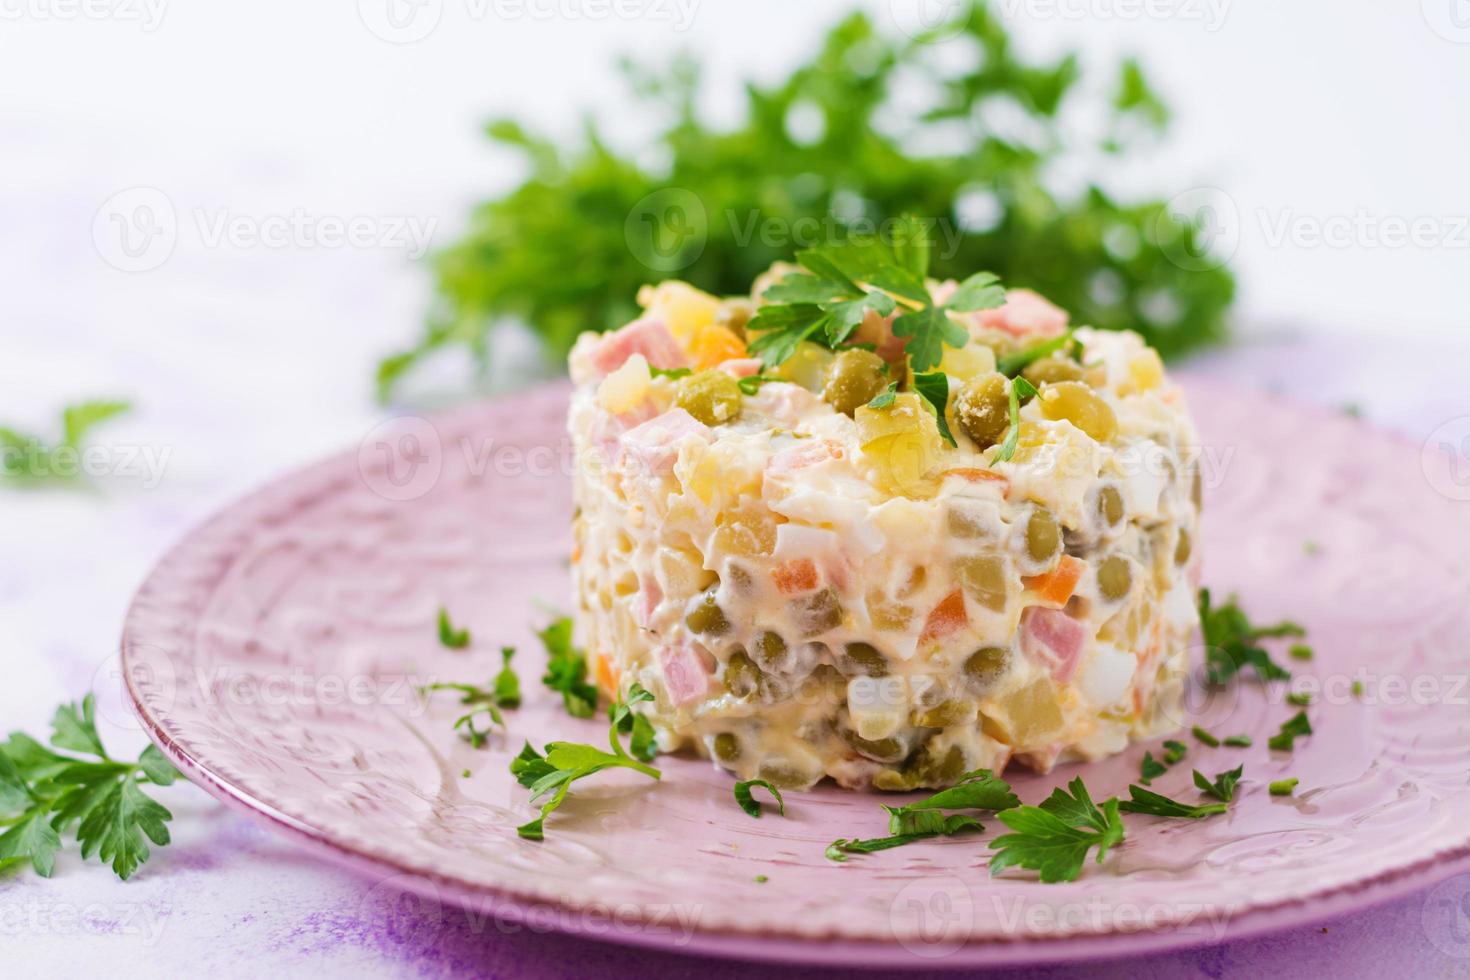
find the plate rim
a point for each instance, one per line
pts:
(1295, 912)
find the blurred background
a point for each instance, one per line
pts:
(266, 226)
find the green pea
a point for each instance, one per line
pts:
(985, 666)
(1110, 506)
(819, 612)
(853, 379)
(712, 396)
(785, 776)
(1052, 370)
(742, 676)
(935, 770)
(1114, 578)
(770, 648)
(707, 618)
(1043, 536)
(943, 715)
(727, 747)
(983, 408)
(879, 750)
(867, 659)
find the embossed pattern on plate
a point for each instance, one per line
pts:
(272, 654)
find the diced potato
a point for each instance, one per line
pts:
(749, 531)
(807, 367)
(967, 362)
(877, 706)
(684, 309)
(986, 578)
(626, 388)
(1145, 371)
(889, 614)
(681, 571)
(1026, 719)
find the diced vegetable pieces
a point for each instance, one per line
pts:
(795, 577)
(714, 345)
(607, 677)
(1051, 637)
(1025, 313)
(1058, 585)
(648, 337)
(654, 445)
(945, 618)
(685, 677)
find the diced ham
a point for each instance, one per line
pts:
(647, 336)
(685, 676)
(652, 446)
(799, 457)
(1024, 313)
(785, 403)
(741, 367)
(649, 596)
(1051, 637)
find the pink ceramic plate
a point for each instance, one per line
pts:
(270, 654)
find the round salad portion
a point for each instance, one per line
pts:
(837, 550)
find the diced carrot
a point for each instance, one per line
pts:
(945, 618)
(714, 345)
(976, 475)
(1058, 584)
(795, 577)
(606, 676)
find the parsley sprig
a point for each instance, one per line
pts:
(844, 281)
(45, 793)
(626, 721)
(922, 819)
(27, 457)
(1053, 839)
(551, 776)
(566, 669)
(1231, 641)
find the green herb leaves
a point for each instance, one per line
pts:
(978, 790)
(845, 281)
(1222, 787)
(566, 669)
(44, 793)
(1155, 804)
(1295, 727)
(551, 775)
(1054, 839)
(1231, 642)
(625, 721)
(504, 692)
(934, 389)
(454, 639)
(25, 457)
(747, 801)
(1020, 388)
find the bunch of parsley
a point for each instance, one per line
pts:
(45, 793)
(567, 249)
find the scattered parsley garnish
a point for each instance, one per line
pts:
(922, 819)
(844, 281)
(1299, 651)
(1203, 736)
(1020, 388)
(626, 721)
(1174, 751)
(1239, 741)
(1013, 364)
(1222, 787)
(1154, 804)
(1054, 838)
(44, 793)
(761, 879)
(507, 684)
(1231, 642)
(449, 636)
(566, 669)
(27, 457)
(1294, 728)
(1299, 698)
(747, 801)
(563, 764)
(1284, 787)
(750, 385)
(673, 374)
(1151, 769)
(885, 397)
(934, 389)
